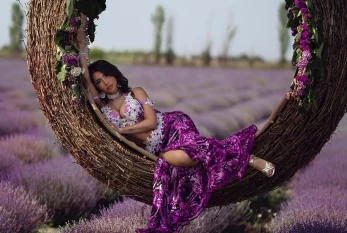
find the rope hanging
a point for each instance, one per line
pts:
(291, 142)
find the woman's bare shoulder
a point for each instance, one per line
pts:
(139, 92)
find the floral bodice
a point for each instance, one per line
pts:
(133, 114)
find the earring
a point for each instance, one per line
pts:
(102, 95)
(119, 85)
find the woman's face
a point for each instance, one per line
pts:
(106, 84)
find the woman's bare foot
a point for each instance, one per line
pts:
(267, 168)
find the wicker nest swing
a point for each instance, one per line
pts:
(291, 142)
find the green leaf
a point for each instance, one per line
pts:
(311, 96)
(58, 65)
(318, 51)
(292, 23)
(316, 35)
(315, 73)
(295, 56)
(69, 8)
(315, 64)
(290, 3)
(309, 4)
(296, 12)
(61, 75)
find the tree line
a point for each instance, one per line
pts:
(159, 19)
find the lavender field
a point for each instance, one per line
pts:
(41, 189)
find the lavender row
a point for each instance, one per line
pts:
(20, 210)
(318, 201)
(63, 186)
(127, 216)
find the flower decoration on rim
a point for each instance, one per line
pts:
(307, 46)
(68, 68)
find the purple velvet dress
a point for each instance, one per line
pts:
(181, 193)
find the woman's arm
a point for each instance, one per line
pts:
(88, 85)
(149, 122)
(275, 112)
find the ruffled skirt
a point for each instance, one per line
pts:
(181, 193)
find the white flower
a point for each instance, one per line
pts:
(77, 71)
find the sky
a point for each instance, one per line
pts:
(127, 25)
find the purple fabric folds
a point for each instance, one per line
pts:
(181, 193)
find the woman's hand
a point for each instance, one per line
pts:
(118, 130)
(290, 95)
(80, 39)
(126, 130)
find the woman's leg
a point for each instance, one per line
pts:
(259, 164)
(178, 158)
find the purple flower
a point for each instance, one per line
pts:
(302, 64)
(65, 187)
(70, 59)
(299, 4)
(304, 42)
(20, 211)
(306, 55)
(304, 10)
(305, 34)
(72, 21)
(302, 78)
(304, 47)
(294, 31)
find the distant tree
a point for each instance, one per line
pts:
(170, 54)
(251, 58)
(158, 20)
(16, 31)
(206, 54)
(283, 33)
(230, 34)
(97, 53)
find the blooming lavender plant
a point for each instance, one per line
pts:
(20, 211)
(127, 216)
(66, 188)
(29, 148)
(17, 122)
(320, 210)
(318, 202)
(8, 160)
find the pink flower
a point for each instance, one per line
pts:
(306, 55)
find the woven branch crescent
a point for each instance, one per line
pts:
(291, 142)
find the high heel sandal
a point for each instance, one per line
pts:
(269, 169)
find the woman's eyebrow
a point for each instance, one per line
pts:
(97, 79)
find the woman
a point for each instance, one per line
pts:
(190, 166)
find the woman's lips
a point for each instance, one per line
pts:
(109, 86)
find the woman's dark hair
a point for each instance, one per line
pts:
(109, 70)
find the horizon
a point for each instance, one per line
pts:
(254, 37)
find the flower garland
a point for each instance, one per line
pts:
(308, 46)
(68, 69)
